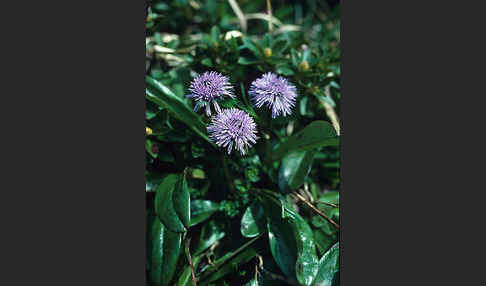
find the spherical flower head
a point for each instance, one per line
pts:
(208, 88)
(233, 128)
(276, 93)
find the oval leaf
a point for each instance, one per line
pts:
(202, 210)
(294, 169)
(182, 200)
(328, 267)
(291, 242)
(307, 262)
(317, 134)
(281, 239)
(166, 246)
(157, 234)
(252, 222)
(164, 205)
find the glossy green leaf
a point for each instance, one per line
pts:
(291, 242)
(181, 199)
(328, 267)
(317, 134)
(307, 263)
(283, 245)
(253, 221)
(157, 235)
(294, 169)
(172, 249)
(166, 247)
(161, 95)
(164, 205)
(202, 210)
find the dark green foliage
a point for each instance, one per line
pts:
(238, 216)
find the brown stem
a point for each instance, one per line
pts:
(329, 204)
(315, 209)
(188, 242)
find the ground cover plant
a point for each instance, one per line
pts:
(242, 142)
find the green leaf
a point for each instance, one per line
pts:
(291, 242)
(330, 197)
(283, 245)
(166, 246)
(211, 232)
(328, 267)
(230, 266)
(182, 200)
(267, 41)
(279, 46)
(324, 240)
(148, 147)
(164, 204)
(157, 234)
(161, 95)
(202, 210)
(317, 134)
(294, 169)
(247, 61)
(229, 262)
(252, 46)
(215, 34)
(327, 99)
(307, 263)
(252, 222)
(295, 57)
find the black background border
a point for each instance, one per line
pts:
(74, 142)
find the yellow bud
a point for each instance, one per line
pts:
(267, 52)
(148, 131)
(304, 66)
(315, 89)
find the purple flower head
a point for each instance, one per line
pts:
(276, 93)
(233, 127)
(209, 87)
